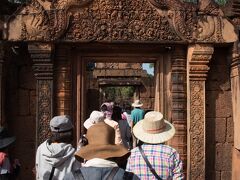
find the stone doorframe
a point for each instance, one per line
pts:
(80, 92)
(199, 56)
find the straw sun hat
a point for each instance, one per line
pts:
(137, 103)
(101, 144)
(153, 129)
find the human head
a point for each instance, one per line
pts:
(117, 113)
(153, 129)
(95, 117)
(61, 128)
(101, 144)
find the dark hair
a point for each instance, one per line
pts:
(64, 137)
(103, 108)
(117, 113)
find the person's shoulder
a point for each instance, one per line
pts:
(168, 148)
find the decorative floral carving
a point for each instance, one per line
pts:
(197, 128)
(119, 21)
(44, 109)
(203, 23)
(42, 20)
(43, 70)
(198, 69)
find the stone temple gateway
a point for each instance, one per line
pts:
(46, 45)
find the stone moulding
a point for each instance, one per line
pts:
(198, 59)
(120, 21)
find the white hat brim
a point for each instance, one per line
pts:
(88, 123)
(137, 105)
(164, 136)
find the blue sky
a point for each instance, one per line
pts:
(146, 67)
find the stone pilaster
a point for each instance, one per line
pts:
(63, 84)
(198, 59)
(179, 102)
(235, 87)
(41, 55)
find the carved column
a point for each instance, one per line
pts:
(43, 69)
(179, 102)
(235, 87)
(63, 82)
(198, 59)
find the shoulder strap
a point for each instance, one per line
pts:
(112, 173)
(148, 163)
(52, 172)
(128, 175)
(78, 175)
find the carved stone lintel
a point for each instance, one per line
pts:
(198, 59)
(43, 70)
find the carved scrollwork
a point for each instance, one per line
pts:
(197, 128)
(119, 21)
(42, 20)
(202, 23)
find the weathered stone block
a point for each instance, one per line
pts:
(226, 175)
(220, 129)
(223, 157)
(230, 130)
(147, 103)
(23, 102)
(33, 102)
(26, 78)
(144, 92)
(218, 104)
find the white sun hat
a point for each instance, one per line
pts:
(153, 129)
(95, 117)
(137, 103)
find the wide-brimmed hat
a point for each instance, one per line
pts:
(5, 139)
(95, 117)
(137, 103)
(61, 124)
(153, 129)
(101, 144)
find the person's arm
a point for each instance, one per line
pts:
(177, 166)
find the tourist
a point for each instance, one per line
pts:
(125, 130)
(102, 156)
(127, 114)
(8, 169)
(152, 159)
(107, 109)
(96, 117)
(137, 114)
(54, 157)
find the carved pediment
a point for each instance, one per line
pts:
(121, 21)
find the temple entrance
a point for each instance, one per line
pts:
(121, 77)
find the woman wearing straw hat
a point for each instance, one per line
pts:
(153, 159)
(102, 156)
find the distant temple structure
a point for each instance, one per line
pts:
(46, 46)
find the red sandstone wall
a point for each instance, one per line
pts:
(21, 109)
(219, 124)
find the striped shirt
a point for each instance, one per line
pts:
(164, 159)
